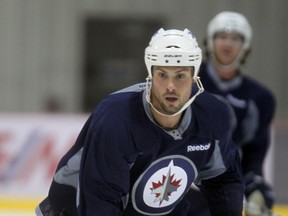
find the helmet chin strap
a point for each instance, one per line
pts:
(148, 96)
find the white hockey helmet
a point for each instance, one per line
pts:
(228, 21)
(173, 48)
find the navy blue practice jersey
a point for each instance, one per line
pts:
(254, 107)
(132, 166)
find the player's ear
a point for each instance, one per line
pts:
(192, 70)
(245, 56)
(152, 70)
(205, 44)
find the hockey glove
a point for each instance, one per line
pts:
(259, 196)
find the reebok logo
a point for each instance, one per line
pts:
(201, 147)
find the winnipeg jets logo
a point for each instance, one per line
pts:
(162, 185)
(163, 189)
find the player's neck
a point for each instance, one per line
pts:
(225, 72)
(165, 121)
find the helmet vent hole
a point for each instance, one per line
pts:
(174, 46)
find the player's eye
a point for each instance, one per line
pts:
(162, 75)
(180, 76)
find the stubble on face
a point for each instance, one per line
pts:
(171, 100)
(168, 103)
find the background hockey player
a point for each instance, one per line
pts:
(228, 43)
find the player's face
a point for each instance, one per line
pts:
(171, 88)
(227, 47)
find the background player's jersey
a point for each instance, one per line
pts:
(132, 166)
(254, 108)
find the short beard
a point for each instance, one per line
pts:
(166, 109)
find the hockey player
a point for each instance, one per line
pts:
(227, 45)
(144, 146)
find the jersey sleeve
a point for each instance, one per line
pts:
(224, 191)
(254, 151)
(104, 172)
(224, 194)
